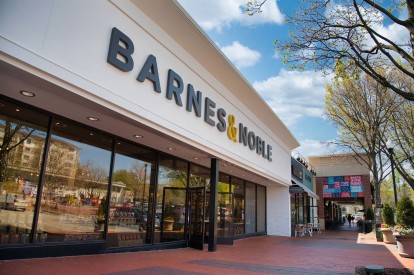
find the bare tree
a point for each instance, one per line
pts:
(14, 135)
(324, 32)
(93, 179)
(401, 132)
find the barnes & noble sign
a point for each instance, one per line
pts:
(120, 53)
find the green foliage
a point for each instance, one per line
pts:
(369, 214)
(388, 215)
(405, 212)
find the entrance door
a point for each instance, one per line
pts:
(197, 222)
(225, 218)
(173, 214)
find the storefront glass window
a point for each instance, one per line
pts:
(261, 208)
(300, 208)
(22, 140)
(250, 207)
(171, 199)
(129, 221)
(238, 212)
(74, 197)
(199, 176)
(225, 207)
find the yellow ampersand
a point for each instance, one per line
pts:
(231, 130)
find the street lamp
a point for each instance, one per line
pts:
(390, 147)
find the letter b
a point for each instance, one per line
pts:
(116, 49)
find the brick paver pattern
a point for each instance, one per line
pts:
(331, 252)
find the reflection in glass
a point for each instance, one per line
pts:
(75, 186)
(250, 207)
(128, 217)
(22, 139)
(200, 178)
(225, 208)
(238, 213)
(171, 199)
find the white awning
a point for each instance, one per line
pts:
(306, 189)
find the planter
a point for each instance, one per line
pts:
(168, 225)
(405, 245)
(388, 236)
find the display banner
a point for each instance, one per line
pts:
(343, 187)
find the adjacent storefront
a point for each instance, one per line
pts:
(124, 128)
(303, 200)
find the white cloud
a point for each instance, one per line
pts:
(241, 56)
(309, 147)
(217, 14)
(395, 33)
(293, 95)
(276, 55)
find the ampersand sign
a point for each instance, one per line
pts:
(231, 130)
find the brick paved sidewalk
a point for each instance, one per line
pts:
(331, 252)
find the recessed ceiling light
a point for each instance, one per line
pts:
(27, 93)
(17, 110)
(91, 134)
(92, 118)
(138, 136)
(171, 149)
(60, 124)
(196, 158)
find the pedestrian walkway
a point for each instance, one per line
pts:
(331, 252)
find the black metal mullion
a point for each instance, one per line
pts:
(109, 191)
(41, 179)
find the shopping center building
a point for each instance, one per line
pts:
(123, 128)
(341, 180)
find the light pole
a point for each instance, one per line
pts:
(390, 147)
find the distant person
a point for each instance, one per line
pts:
(352, 219)
(343, 219)
(349, 219)
(359, 224)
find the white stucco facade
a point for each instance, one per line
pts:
(65, 43)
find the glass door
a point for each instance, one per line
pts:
(197, 223)
(173, 214)
(225, 218)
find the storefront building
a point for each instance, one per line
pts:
(341, 180)
(303, 199)
(124, 128)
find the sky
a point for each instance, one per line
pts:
(296, 97)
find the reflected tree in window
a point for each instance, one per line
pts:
(12, 137)
(133, 179)
(61, 166)
(91, 178)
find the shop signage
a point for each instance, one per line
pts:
(120, 53)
